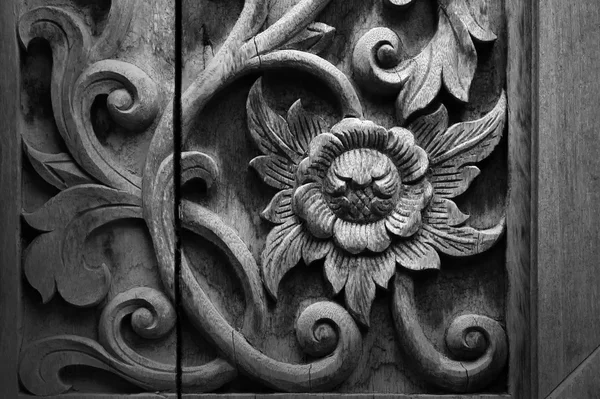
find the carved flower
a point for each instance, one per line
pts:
(364, 198)
(362, 184)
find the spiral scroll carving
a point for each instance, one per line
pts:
(376, 62)
(367, 201)
(77, 81)
(478, 344)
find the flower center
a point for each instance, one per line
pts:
(362, 185)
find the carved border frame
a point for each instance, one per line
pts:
(521, 213)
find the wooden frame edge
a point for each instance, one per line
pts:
(520, 260)
(10, 182)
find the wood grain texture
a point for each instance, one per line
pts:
(520, 87)
(10, 200)
(583, 382)
(568, 188)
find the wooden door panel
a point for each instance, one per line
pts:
(346, 203)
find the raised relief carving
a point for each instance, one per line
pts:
(372, 204)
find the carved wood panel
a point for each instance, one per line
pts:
(328, 216)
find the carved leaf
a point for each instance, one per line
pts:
(364, 273)
(274, 170)
(65, 206)
(55, 260)
(476, 23)
(273, 135)
(463, 241)
(416, 253)
(304, 127)
(444, 212)
(268, 129)
(474, 140)
(59, 170)
(450, 58)
(280, 208)
(360, 291)
(451, 150)
(282, 252)
(39, 260)
(315, 38)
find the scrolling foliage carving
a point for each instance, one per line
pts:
(373, 206)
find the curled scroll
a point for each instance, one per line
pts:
(152, 317)
(477, 343)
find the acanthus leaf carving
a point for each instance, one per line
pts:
(54, 261)
(59, 170)
(77, 80)
(151, 316)
(448, 60)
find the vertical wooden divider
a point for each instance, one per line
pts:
(520, 266)
(10, 200)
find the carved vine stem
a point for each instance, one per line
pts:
(341, 332)
(477, 342)
(237, 57)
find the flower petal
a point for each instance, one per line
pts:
(360, 291)
(280, 207)
(378, 239)
(411, 160)
(357, 133)
(274, 170)
(337, 266)
(399, 143)
(405, 220)
(416, 254)
(403, 223)
(382, 268)
(322, 151)
(414, 166)
(303, 173)
(315, 249)
(282, 252)
(310, 206)
(351, 237)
